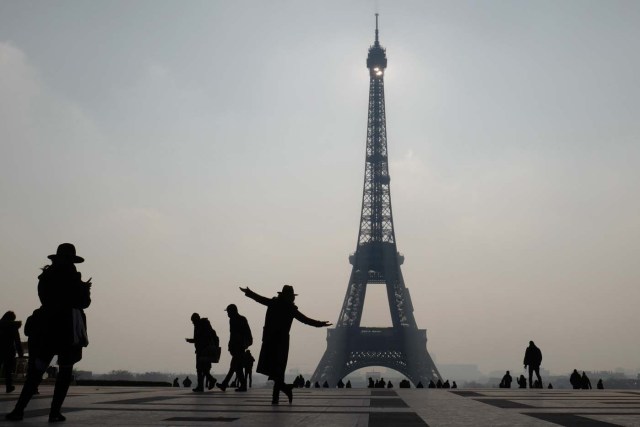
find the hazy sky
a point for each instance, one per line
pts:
(187, 148)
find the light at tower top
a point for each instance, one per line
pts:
(377, 58)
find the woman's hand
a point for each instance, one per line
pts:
(245, 290)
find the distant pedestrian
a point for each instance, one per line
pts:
(389, 385)
(446, 384)
(419, 385)
(274, 352)
(240, 339)
(522, 382)
(186, 382)
(576, 380)
(10, 344)
(317, 385)
(550, 386)
(307, 384)
(431, 384)
(454, 385)
(506, 380)
(175, 382)
(348, 384)
(371, 383)
(533, 359)
(585, 383)
(439, 383)
(324, 385)
(58, 327)
(340, 383)
(600, 386)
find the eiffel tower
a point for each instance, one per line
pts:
(376, 261)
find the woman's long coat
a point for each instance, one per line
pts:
(275, 334)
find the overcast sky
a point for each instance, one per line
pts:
(187, 148)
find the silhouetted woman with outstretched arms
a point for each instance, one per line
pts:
(57, 328)
(275, 337)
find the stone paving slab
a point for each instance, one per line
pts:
(140, 406)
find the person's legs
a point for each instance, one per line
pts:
(275, 395)
(530, 376)
(63, 380)
(537, 371)
(34, 377)
(8, 366)
(249, 378)
(236, 363)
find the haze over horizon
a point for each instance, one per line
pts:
(190, 148)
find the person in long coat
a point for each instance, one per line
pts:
(9, 344)
(274, 352)
(58, 327)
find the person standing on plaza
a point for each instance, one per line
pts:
(533, 359)
(274, 352)
(10, 344)
(204, 338)
(239, 340)
(58, 327)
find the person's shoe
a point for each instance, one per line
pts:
(288, 390)
(241, 389)
(198, 389)
(274, 402)
(14, 416)
(10, 388)
(56, 417)
(211, 384)
(222, 387)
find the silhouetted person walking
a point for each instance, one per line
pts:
(348, 384)
(506, 381)
(10, 344)
(248, 368)
(371, 383)
(431, 384)
(575, 379)
(600, 386)
(186, 382)
(585, 382)
(274, 352)
(175, 382)
(58, 327)
(340, 383)
(205, 341)
(454, 385)
(240, 339)
(533, 359)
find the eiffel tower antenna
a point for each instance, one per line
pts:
(376, 262)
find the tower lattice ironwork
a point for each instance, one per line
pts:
(376, 261)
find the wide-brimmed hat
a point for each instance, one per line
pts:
(287, 290)
(66, 252)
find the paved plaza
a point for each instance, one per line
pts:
(129, 406)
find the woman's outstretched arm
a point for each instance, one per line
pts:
(311, 322)
(256, 297)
